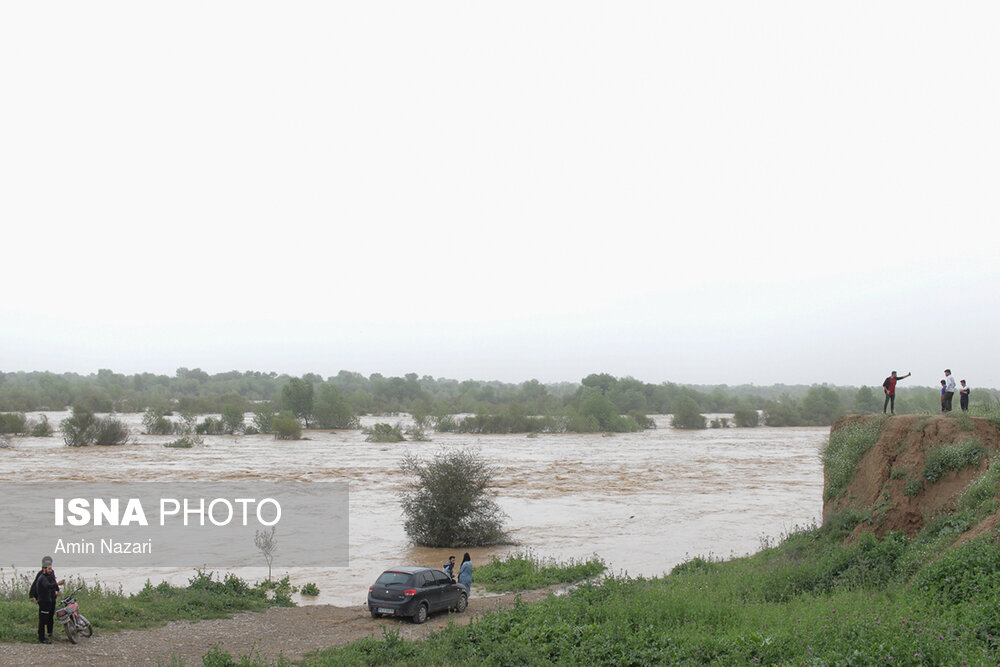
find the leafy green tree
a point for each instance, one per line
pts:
(866, 401)
(232, 418)
(597, 409)
(331, 409)
(746, 417)
(263, 417)
(821, 406)
(450, 501)
(600, 381)
(297, 397)
(782, 413)
(687, 414)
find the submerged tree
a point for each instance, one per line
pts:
(286, 426)
(746, 417)
(331, 409)
(450, 503)
(687, 414)
(84, 428)
(297, 397)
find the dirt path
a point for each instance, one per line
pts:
(291, 632)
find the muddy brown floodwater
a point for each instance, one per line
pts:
(641, 501)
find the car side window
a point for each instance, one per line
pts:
(440, 578)
(423, 579)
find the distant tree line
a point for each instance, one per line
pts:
(599, 402)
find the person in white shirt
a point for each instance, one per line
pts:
(963, 396)
(949, 390)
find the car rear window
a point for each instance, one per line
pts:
(389, 578)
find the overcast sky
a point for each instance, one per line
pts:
(697, 192)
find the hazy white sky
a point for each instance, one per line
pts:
(699, 192)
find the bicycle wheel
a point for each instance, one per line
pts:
(71, 630)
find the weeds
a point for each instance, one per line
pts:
(843, 452)
(204, 597)
(981, 490)
(944, 458)
(525, 571)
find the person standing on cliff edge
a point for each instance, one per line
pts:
(949, 390)
(963, 396)
(889, 387)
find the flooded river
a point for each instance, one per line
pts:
(642, 501)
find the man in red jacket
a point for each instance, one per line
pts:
(889, 386)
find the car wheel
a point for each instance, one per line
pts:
(421, 614)
(462, 603)
(375, 614)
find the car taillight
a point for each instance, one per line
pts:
(410, 591)
(371, 588)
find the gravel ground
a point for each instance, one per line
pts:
(287, 631)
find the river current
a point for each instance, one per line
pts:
(643, 502)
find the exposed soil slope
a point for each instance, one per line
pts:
(889, 480)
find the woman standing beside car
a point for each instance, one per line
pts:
(465, 573)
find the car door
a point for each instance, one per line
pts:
(449, 591)
(429, 590)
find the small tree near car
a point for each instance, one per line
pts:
(450, 502)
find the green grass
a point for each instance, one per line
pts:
(524, 571)
(205, 596)
(843, 452)
(989, 411)
(944, 458)
(982, 491)
(809, 601)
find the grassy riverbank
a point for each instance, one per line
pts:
(205, 596)
(809, 600)
(525, 571)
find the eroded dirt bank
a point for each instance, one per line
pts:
(290, 632)
(890, 481)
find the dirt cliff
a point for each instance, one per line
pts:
(891, 479)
